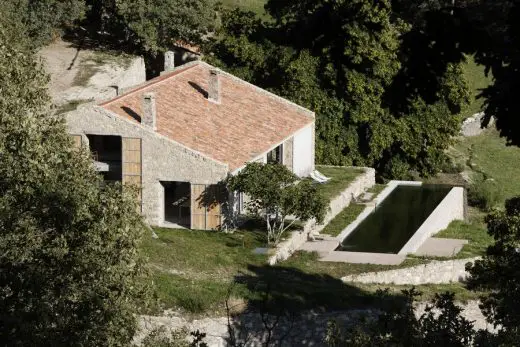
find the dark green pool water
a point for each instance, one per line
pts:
(395, 219)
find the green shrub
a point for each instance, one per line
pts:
(484, 194)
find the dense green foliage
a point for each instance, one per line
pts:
(43, 19)
(358, 74)
(440, 325)
(142, 25)
(70, 270)
(152, 25)
(498, 272)
(276, 193)
(493, 37)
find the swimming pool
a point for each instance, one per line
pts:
(395, 220)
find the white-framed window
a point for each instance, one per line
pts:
(275, 155)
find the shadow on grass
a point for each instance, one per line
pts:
(289, 307)
(296, 290)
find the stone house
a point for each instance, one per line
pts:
(179, 135)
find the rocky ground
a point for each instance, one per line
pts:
(80, 75)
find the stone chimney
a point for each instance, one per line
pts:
(149, 111)
(169, 61)
(214, 86)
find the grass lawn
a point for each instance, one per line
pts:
(428, 291)
(340, 179)
(344, 218)
(488, 155)
(194, 270)
(477, 79)
(474, 231)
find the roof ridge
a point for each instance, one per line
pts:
(262, 90)
(154, 81)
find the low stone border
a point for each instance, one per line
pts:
(307, 330)
(436, 272)
(298, 238)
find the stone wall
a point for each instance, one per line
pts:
(433, 272)
(308, 329)
(133, 75)
(451, 208)
(472, 126)
(162, 158)
(298, 238)
(356, 188)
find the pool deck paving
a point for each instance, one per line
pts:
(440, 247)
(364, 258)
(433, 247)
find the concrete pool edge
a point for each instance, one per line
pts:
(439, 219)
(372, 206)
(449, 209)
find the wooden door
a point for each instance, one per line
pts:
(131, 161)
(198, 211)
(205, 215)
(213, 211)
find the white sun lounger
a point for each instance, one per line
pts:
(320, 175)
(317, 178)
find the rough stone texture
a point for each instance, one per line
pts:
(433, 272)
(169, 60)
(472, 126)
(355, 189)
(149, 111)
(363, 258)
(306, 330)
(298, 238)
(162, 158)
(451, 208)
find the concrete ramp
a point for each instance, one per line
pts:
(364, 258)
(440, 247)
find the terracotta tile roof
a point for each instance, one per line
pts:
(246, 123)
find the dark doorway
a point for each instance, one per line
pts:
(107, 155)
(177, 203)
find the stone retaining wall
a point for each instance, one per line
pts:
(298, 238)
(434, 272)
(305, 330)
(472, 126)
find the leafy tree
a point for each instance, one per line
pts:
(43, 20)
(498, 272)
(178, 338)
(153, 25)
(440, 325)
(494, 38)
(356, 74)
(276, 193)
(70, 269)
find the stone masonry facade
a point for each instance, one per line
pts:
(162, 159)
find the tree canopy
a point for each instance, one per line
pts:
(358, 74)
(275, 193)
(153, 25)
(498, 272)
(70, 269)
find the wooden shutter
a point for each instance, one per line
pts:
(77, 140)
(198, 212)
(213, 213)
(205, 217)
(131, 163)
